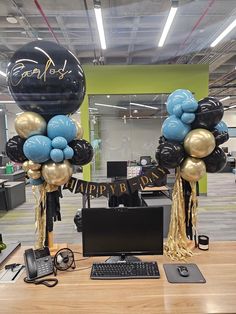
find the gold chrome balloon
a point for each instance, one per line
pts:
(33, 165)
(57, 173)
(199, 143)
(79, 130)
(192, 169)
(33, 174)
(25, 165)
(30, 123)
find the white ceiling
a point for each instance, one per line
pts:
(132, 30)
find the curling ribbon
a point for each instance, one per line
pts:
(40, 212)
(176, 246)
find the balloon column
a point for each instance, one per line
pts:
(47, 82)
(190, 141)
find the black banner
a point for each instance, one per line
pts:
(156, 176)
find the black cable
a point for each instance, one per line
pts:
(45, 282)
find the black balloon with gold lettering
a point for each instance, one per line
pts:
(46, 78)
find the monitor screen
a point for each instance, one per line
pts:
(122, 231)
(116, 169)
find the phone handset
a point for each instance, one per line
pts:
(38, 263)
(30, 264)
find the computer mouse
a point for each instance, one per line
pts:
(183, 271)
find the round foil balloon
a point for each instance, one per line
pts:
(170, 155)
(30, 123)
(57, 173)
(209, 113)
(14, 149)
(199, 143)
(83, 152)
(46, 78)
(33, 166)
(192, 169)
(215, 161)
(33, 174)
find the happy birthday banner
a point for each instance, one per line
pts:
(128, 186)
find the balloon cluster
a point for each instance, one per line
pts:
(47, 82)
(191, 136)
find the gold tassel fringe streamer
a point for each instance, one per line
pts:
(40, 212)
(176, 246)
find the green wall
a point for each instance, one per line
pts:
(142, 79)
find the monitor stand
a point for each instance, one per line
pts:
(123, 259)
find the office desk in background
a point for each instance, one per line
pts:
(159, 196)
(77, 293)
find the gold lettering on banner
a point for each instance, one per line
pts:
(112, 188)
(92, 188)
(145, 180)
(123, 187)
(18, 72)
(154, 175)
(102, 188)
(80, 188)
(70, 184)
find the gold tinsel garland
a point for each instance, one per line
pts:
(176, 246)
(40, 211)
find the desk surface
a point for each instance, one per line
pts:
(79, 294)
(155, 188)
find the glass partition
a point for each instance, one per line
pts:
(124, 128)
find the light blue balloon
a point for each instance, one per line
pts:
(174, 129)
(37, 148)
(222, 127)
(190, 105)
(177, 110)
(177, 98)
(61, 126)
(187, 117)
(59, 142)
(36, 181)
(68, 152)
(57, 155)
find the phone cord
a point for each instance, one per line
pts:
(45, 282)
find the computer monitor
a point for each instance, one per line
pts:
(116, 169)
(145, 160)
(122, 232)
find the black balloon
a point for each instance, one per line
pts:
(169, 154)
(46, 78)
(215, 161)
(83, 152)
(209, 113)
(14, 149)
(220, 137)
(162, 139)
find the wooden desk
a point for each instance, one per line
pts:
(79, 294)
(156, 188)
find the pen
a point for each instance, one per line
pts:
(22, 266)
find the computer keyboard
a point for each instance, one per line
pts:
(125, 270)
